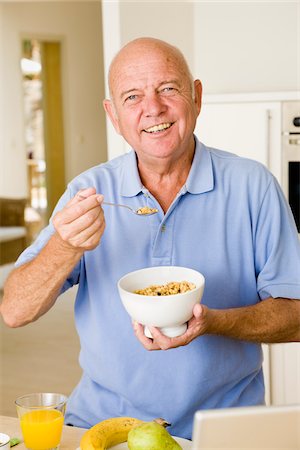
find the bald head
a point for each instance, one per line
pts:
(154, 101)
(146, 47)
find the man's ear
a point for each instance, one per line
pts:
(198, 95)
(111, 112)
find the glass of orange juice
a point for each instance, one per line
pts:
(41, 416)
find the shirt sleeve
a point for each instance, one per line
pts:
(34, 249)
(277, 247)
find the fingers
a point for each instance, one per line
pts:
(81, 222)
(145, 341)
(199, 323)
(159, 341)
(85, 232)
(195, 328)
(164, 342)
(82, 194)
(197, 311)
(79, 206)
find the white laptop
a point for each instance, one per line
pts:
(247, 428)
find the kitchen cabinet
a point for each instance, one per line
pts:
(285, 375)
(250, 125)
(248, 128)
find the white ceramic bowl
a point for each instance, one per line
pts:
(4, 441)
(167, 312)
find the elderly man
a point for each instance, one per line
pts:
(218, 213)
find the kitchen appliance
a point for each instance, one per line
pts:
(291, 156)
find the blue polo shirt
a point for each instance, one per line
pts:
(231, 222)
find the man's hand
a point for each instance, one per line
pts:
(80, 224)
(272, 320)
(197, 326)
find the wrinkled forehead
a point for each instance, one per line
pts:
(147, 59)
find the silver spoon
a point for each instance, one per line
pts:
(142, 211)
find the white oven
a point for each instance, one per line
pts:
(291, 156)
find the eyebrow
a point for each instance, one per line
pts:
(160, 84)
(128, 91)
(169, 82)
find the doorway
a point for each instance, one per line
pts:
(44, 133)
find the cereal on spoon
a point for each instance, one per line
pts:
(146, 210)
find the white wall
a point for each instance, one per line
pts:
(13, 158)
(247, 46)
(78, 26)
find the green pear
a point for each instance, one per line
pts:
(151, 436)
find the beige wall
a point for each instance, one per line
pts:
(1, 99)
(168, 20)
(78, 26)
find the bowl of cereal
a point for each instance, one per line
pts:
(162, 297)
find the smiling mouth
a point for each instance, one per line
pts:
(159, 128)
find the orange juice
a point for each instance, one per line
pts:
(42, 429)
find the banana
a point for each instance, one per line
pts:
(108, 433)
(111, 432)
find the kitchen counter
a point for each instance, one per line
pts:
(70, 438)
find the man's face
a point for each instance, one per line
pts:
(154, 109)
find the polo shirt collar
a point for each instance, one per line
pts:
(131, 184)
(200, 178)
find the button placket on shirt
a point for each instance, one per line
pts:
(162, 229)
(163, 236)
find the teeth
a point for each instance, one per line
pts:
(160, 127)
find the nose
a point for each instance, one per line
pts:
(153, 105)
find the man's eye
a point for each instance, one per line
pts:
(168, 90)
(131, 97)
